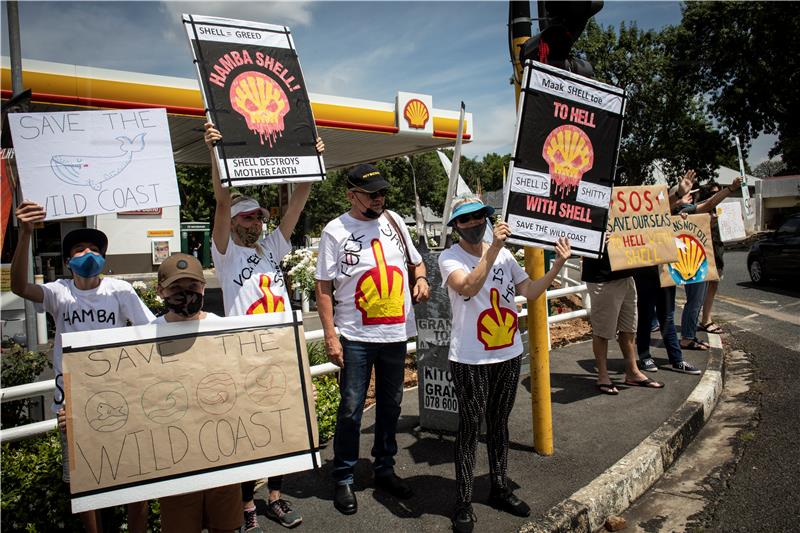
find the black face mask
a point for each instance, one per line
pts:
(369, 212)
(472, 235)
(185, 303)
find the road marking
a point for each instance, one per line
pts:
(777, 315)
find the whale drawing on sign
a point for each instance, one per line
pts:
(92, 171)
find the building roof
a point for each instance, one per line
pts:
(354, 130)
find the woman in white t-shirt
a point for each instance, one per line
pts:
(482, 281)
(248, 269)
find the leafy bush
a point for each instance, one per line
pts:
(19, 366)
(327, 393)
(147, 292)
(34, 497)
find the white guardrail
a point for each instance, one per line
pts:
(43, 387)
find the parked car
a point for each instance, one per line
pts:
(776, 255)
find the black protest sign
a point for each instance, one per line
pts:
(564, 158)
(255, 94)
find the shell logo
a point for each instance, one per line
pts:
(569, 153)
(692, 264)
(497, 325)
(380, 292)
(262, 103)
(416, 114)
(269, 301)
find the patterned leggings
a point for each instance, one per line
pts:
(483, 389)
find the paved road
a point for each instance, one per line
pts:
(741, 472)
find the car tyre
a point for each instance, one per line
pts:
(758, 274)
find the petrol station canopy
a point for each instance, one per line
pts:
(354, 130)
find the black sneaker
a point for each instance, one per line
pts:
(685, 368)
(280, 511)
(394, 485)
(463, 518)
(505, 500)
(648, 365)
(251, 522)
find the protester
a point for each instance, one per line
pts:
(364, 256)
(248, 268)
(482, 281)
(706, 323)
(696, 292)
(84, 302)
(182, 286)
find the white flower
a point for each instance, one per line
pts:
(139, 285)
(159, 299)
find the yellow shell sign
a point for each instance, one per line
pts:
(416, 114)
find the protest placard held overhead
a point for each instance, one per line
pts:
(255, 94)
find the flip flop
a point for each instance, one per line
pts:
(646, 383)
(711, 327)
(607, 388)
(695, 344)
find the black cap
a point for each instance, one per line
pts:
(78, 236)
(367, 178)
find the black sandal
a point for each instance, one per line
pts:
(710, 327)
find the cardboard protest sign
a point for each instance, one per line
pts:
(564, 159)
(173, 408)
(640, 228)
(695, 262)
(255, 95)
(730, 221)
(82, 163)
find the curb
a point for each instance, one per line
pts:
(617, 488)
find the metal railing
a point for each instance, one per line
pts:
(28, 390)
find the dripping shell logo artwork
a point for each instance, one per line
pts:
(262, 103)
(569, 154)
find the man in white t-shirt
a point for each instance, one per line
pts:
(362, 257)
(248, 269)
(85, 302)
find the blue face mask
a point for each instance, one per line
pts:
(87, 265)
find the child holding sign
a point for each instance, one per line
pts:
(85, 302)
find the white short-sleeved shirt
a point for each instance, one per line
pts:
(251, 278)
(163, 318)
(484, 328)
(110, 305)
(366, 261)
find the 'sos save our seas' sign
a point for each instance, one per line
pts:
(255, 94)
(564, 159)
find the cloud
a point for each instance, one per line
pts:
(295, 13)
(494, 129)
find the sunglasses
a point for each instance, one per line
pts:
(373, 195)
(475, 215)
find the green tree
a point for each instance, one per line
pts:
(664, 121)
(743, 58)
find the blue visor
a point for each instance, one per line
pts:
(471, 207)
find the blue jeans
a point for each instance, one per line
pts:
(389, 362)
(695, 295)
(650, 295)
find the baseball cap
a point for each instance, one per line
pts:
(367, 178)
(77, 236)
(466, 205)
(179, 266)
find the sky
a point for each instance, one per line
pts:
(454, 51)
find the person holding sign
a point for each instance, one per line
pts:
(182, 285)
(482, 281)
(696, 292)
(365, 255)
(84, 302)
(248, 268)
(706, 324)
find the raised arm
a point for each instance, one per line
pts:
(684, 186)
(708, 205)
(222, 215)
(297, 202)
(27, 214)
(531, 289)
(470, 284)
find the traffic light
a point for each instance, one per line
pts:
(560, 25)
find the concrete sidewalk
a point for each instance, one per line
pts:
(608, 450)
